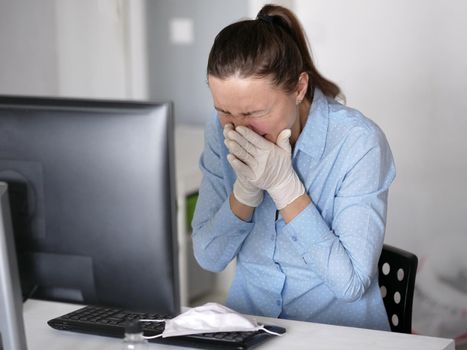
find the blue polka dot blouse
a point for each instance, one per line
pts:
(322, 265)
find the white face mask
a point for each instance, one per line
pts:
(208, 318)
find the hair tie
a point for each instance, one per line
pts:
(278, 22)
(265, 18)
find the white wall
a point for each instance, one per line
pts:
(27, 47)
(404, 64)
(79, 48)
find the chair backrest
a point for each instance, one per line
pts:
(397, 270)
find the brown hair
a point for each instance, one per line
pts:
(272, 45)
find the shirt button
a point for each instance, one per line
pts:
(294, 238)
(278, 302)
(272, 237)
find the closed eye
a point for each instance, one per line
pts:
(253, 114)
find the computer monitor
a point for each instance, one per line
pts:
(12, 335)
(92, 195)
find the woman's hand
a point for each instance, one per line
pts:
(265, 164)
(244, 191)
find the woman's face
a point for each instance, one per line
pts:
(257, 104)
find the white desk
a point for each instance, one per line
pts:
(300, 335)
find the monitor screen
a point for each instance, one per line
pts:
(12, 334)
(92, 195)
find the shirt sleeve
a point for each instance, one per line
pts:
(345, 255)
(217, 233)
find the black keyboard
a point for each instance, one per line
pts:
(111, 322)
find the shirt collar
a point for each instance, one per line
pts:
(312, 139)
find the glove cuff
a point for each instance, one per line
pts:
(247, 193)
(287, 192)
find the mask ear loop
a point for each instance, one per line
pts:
(152, 336)
(264, 329)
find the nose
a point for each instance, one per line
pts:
(240, 121)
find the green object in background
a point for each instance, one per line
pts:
(190, 209)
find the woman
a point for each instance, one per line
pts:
(294, 185)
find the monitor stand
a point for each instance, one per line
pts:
(12, 335)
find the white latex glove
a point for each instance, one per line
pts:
(244, 191)
(265, 164)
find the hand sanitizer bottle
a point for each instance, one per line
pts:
(134, 339)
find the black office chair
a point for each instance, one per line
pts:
(397, 269)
